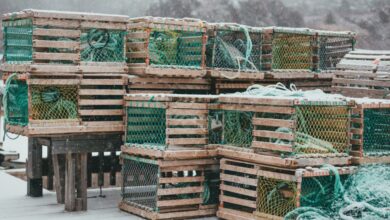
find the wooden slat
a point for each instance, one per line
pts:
(102, 92)
(57, 33)
(181, 190)
(179, 202)
(186, 141)
(95, 112)
(103, 82)
(187, 112)
(56, 23)
(53, 81)
(242, 202)
(188, 179)
(195, 122)
(56, 56)
(72, 45)
(100, 102)
(181, 131)
(273, 122)
(238, 179)
(272, 146)
(273, 134)
(279, 176)
(242, 191)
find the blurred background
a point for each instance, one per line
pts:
(369, 18)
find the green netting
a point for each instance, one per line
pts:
(17, 35)
(292, 51)
(279, 197)
(15, 102)
(180, 49)
(376, 132)
(322, 129)
(238, 50)
(54, 102)
(366, 195)
(100, 45)
(232, 128)
(332, 49)
(146, 126)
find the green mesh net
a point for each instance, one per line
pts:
(54, 102)
(292, 51)
(100, 45)
(376, 132)
(232, 128)
(15, 102)
(366, 195)
(235, 50)
(332, 49)
(17, 35)
(146, 126)
(169, 48)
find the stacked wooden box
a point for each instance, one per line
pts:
(363, 73)
(80, 58)
(168, 170)
(277, 146)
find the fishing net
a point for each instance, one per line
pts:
(17, 35)
(332, 49)
(366, 195)
(140, 182)
(53, 102)
(146, 125)
(376, 132)
(100, 45)
(169, 48)
(236, 48)
(278, 197)
(232, 128)
(15, 101)
(292, 51)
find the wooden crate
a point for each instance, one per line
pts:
(361, 83)
(286, 131)
(280, 191)
(166, 47)
(169, 189)
(292, 48)
(333, 46)
(169, 85)
(66, 38)
(366, 60)
(160, 121)
(87, 103)
(223, 86)
(225, 56)
(370, 142)
(238, 189)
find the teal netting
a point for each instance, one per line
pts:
(376, 132)
(366, 195)
(146, 126)
(17, 35)
(99, 45)
(15, 101)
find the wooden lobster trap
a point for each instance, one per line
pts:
(166, 47)
(175, 188)
(333, 46)
(44, 105)
(286, 131)
(169, 85)
(370, 131)
(163, 121)
(281, 191)
(65, 39)
(235, 51)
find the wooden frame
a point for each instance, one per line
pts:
(140, 30)
(167, 200)
(363, 60)
(296, 178)
(358, 131)
(91, 108)
(190, 112)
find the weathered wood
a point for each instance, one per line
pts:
(34, 169)
(70, 182)
(59, 173)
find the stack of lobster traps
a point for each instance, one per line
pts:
(167, 167)
(273, 151)
(363, 73)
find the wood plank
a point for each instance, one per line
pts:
(56, 56)
(238, 179)
(118, 92)
(57, 33)
(187, 112)
(271, 122)
(188, 179)
(242, 202)
(96, 112)
(103, 25)
(238, 190)
(179, 202)
(194, 122)
(272, 146)
(278, 176)
(186, 131)
(186, 141)
(71, 45)
(56, 23)
(179, 191)
(93, 102)
(53, 81)
(108, 82)
(273, 134)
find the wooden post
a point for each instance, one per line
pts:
(34, 169)
(101, 170)
(81, 200)
(70, 172)
(59, 173)
(113, 162)
(49, 169)
(89, 170)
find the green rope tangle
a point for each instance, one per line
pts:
(362, 195)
